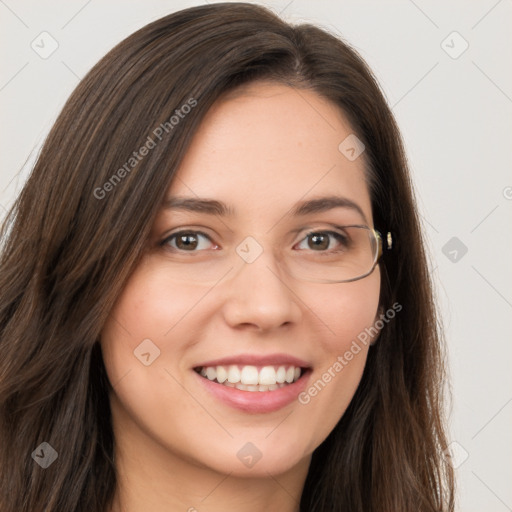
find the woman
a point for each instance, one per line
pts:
(214, 287)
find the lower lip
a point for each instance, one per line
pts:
(256, 402)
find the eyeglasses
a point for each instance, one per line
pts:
(335, 255)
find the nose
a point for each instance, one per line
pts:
(260, 295)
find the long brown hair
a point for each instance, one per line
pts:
(80, 225)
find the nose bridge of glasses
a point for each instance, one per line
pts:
(263, 253)
(257, 248)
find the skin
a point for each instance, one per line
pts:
(176, 445)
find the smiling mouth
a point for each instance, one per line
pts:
(252, 378)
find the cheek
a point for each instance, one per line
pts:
(151, 307)
(348, 311)
(146, 396)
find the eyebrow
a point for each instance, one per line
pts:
(302, 208)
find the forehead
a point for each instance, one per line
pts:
(269, 146)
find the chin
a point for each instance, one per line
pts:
(255, 459)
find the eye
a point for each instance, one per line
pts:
(320, 241)
(187, 241)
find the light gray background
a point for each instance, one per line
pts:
(455, 116)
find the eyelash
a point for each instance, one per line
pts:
(341, 238)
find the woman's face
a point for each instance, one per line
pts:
(260, 153)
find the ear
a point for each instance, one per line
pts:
(378, 316)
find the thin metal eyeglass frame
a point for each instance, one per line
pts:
(378, 240)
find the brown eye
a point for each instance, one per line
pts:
(187, 241)
(323, 240)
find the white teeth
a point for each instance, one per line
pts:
(249, 375)
(281, 374)
(233, 374)
(267, 376)
(248, 378)
(222, 374)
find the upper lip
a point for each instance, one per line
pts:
(257, 360)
